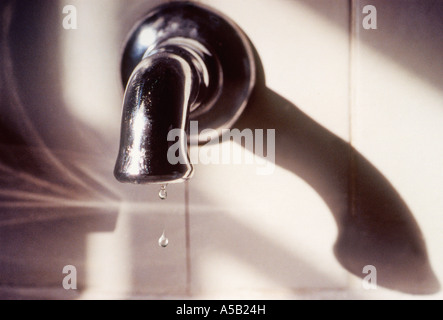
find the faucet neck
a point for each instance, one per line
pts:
(207, 75)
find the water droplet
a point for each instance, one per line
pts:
(163, 241)
(163, 194)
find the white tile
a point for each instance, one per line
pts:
(268, 234)
(129, 261)
(274, 234)
(303, 46)
(397, 108)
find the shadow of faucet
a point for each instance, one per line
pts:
(375, 226)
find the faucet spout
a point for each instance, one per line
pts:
(184, 62)
(157, 99)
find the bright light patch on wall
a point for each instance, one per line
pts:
(108, 260)
(222, 272)
(90, 53)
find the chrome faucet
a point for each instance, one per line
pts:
(183, 62)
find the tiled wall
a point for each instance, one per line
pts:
(357, 114)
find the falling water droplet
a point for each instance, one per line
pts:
(163, 194)
(163, 241)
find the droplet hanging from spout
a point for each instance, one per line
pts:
(163, 193)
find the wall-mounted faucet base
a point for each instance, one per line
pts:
(215, 43)
(183, 62)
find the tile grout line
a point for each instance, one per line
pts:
(353, 51)
(353, 37)
(187, 240)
